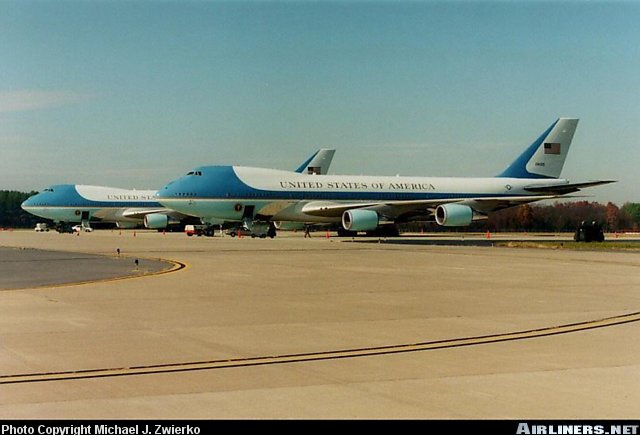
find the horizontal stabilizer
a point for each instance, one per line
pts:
(561, 189)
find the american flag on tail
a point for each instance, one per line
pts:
(551, 148)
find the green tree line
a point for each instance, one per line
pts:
(565, 216)
(558, 217)
(11, 215)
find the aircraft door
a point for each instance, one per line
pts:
(249, 211)
(247, 216)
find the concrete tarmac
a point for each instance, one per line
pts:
(324, 328)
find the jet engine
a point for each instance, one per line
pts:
(360, 220)
(456, 215)
(156, 221)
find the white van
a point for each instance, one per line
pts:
(41, 227)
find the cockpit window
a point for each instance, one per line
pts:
(198, 173)
(48, 190)
(190, 173)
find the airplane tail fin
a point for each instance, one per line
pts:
(318, 163)
(545, 157)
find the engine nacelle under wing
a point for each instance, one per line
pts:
(456, 215)
(360, 220)
(156, 221)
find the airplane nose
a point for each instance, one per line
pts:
(26, 203)
(163, 192)
(167, 191)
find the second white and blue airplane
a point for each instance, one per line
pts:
(76, 203)
(258, 196)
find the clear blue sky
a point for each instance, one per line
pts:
(135, 93)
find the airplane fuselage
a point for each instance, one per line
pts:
(224, 192)
(81, 203)
(77, 203)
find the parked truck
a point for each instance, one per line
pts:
(198, 230)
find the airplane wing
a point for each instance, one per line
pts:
(157, 218)
(424, 207)
(561, 189)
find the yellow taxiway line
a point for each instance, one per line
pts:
(322, 355)
(175, 266)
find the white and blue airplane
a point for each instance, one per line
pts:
(75, 203)
(256, 196)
